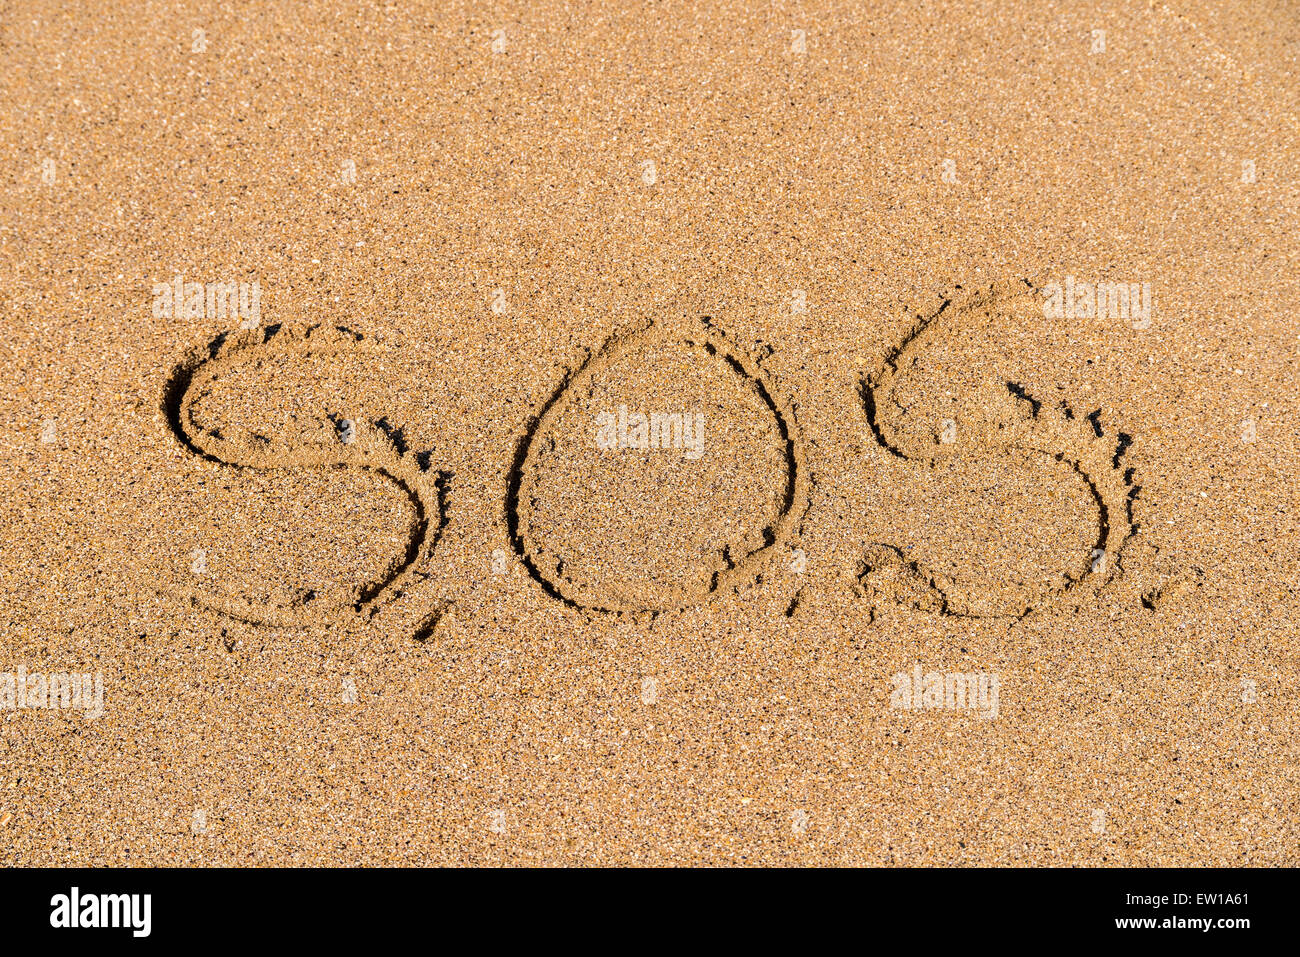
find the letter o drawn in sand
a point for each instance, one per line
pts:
(662, 470)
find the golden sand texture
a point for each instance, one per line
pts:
(374, 565)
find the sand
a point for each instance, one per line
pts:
(389, 569)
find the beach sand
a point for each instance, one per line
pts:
(395, 575)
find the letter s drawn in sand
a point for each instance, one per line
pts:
(916, 420)
(362, 446)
